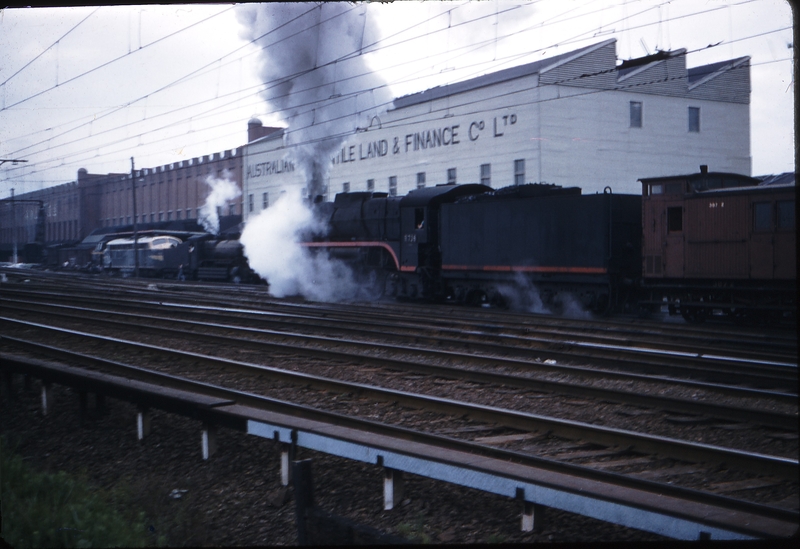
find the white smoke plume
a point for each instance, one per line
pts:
(223, 191)
(272, 246)
(315, 75)
(318, 82)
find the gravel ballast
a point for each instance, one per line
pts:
(236, 497)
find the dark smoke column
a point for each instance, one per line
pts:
(315, 76)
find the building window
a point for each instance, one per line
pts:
(393, 185)
(370, 184)
(762, 216)
(636, 114)
(675, 219)
(264, 201)
(486, 174)
(694, 119)
(152, 218)
(169, 215)
(519, 171)
(249, 202)
(161, 216)
(346, 187)
(178, 214)
(420, 180)
(451, 176)
(232, 209)
(188, 213)
(786, 214)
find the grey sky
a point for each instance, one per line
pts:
(91, 87)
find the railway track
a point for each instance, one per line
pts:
(233, 336)
(778, 342)
(761, 519)
(608, 426)
(757, 368)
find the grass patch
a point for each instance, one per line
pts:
(41, 509)
(414, 531)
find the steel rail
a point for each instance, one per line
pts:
(742, 414)
(614, 343)
(712, 369)
(524, 325)
(780, 420)
(628, 490)
(528, 324)
(679, 449)
(549, 324)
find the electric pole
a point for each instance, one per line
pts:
(13, 208)
(135, 232)
(13, 227)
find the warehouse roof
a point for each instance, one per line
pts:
(694, 76)
(785, 178)
(492, 78)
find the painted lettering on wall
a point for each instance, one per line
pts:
(269, 168)
(424, 139)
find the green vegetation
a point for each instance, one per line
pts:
(415, 531)
(58, 510)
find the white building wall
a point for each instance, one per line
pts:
(587, 140)
(567, 135)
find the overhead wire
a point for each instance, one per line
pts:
(116, 59)
(529, 53)
(405, 123)
(48, 48)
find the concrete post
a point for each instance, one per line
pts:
(209, 440)
(142, 423)
(46, 397)
(286, 458)
(532, 517)
(392, 488)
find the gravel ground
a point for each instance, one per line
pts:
(236, 498)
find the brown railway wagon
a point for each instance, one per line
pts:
(718, 241)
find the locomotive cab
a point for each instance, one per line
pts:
(420, 251)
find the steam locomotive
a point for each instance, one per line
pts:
(471, 244)
(186, 256)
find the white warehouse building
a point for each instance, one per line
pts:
(575, 119)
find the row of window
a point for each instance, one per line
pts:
(767, 217)
(485, 178)
(636, 110)
(485, 171)
(162, 216)
(142, 183)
